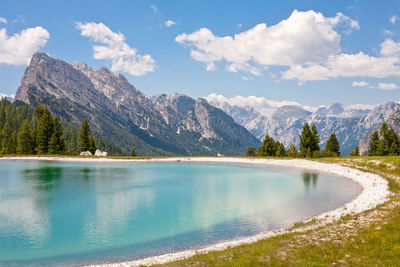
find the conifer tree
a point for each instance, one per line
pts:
(355, 152)
(374, 144)
(395, 149)
(57, 142)
(84, 134)
(280, 150)
(92, 145)
(24, 139)
(332, 145)
(305, 139)
(133, 152)
(267, 148)
(292, 151)
(44, 132)
(6, 135)
(314, 138)
(251, 151)
(12, 143)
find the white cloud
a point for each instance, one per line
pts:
(387, 86)
(345, 65)
(359, 84)
(19, 48)
(390, 48)
(3, 20)
(122, 56)
(154, 8)
(239, 25)
(169, 23)
(303, 38)
(246, 78)
(388, 32)
(393, 19)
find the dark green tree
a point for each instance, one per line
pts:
(305, 140)
(251, 151)
(374, 144)
(84, 137)
(44, 132)
(6, 135)
(25, 144)
(292, 151)
(395, 149)
(332, 145)
(12, 143)
(314, 138)
(280, 150)
(92, 145)
(267, 148)
(355, 152)
(133, 152)
(57, 142)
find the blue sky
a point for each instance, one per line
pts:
(313, 56)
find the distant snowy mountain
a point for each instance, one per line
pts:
(284, 122)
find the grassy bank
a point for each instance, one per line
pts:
(368, 239)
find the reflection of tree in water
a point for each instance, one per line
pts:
(310, 178)
(85, 173)
(45, 177)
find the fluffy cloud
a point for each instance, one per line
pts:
(303, 38)
(345, 65)
(393, 19)
(169, 23)
(390, 48)
(387, 86)
(154, 8)
(359, 84)
(19, 48)
(3, 20)
(122, 56)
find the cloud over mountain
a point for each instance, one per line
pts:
(19, 48)
(113, 47)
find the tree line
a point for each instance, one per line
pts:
(27, 131)
(309, 146)
(385, 143)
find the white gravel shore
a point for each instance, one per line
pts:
(375, 191)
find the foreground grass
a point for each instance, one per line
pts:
(368, 239)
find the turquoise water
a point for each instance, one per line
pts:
(54, 213)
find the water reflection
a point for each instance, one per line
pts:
(45, 178)
(310, 179)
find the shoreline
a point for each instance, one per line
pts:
(374, 192)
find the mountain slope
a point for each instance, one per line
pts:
(119, 111)
(285, 124)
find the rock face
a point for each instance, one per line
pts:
(393, 122)
(162, 125)
(285, 124)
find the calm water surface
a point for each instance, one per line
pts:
(54, 213)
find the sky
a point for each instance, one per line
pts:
(309, 52)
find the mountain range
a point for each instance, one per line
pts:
(161, 125)
(350, 124)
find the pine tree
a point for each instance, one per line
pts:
(251, 151)
(395, 149)
(355, 152)
(374, 144)
(280, 150)
(314, 138)
(6, 134)
(84, 133)
(133, 152)
(292, 151)
(92, 145)
(267, 148)
(12, 143)
(44, 132)
(305, 139)
(57, 142)
(24, 139)
(332, 145)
